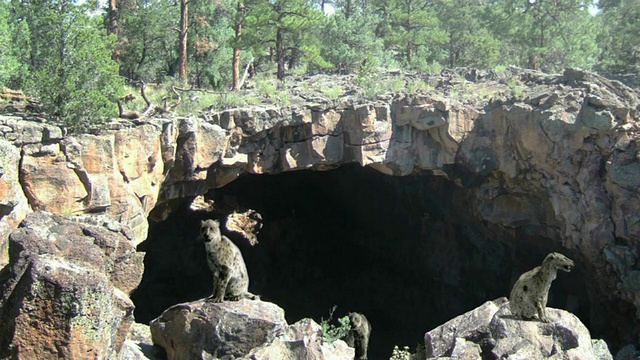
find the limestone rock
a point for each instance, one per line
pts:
(225, 330)
(302, 341)
(490, 330)
(66, 289)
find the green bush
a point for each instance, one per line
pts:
(332, 333)
(75, 78)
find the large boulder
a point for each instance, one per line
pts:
(302, 341)
(244, 329)
(491, 331)
(227, 330)
(65, 290)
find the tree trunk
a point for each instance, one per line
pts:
(113, 17)
(451, 55)
(184, 26)
(236, 49)
(409, 53)
(113, 28)
(280, 52)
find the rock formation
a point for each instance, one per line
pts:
(557, 153)
(65, 292)
(244, 329)
(489, 331)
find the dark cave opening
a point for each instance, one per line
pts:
(408, 252)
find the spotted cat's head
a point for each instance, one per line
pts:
(210, 230)
(559, 261)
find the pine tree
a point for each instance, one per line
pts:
(285, 26)
(350, 42)
(620, 38)
(148, 47)
(467, 40)
(407, 26)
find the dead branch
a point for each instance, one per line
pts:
(126, 114)
(246, 71)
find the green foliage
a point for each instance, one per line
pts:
(467, 41)
(211, 37)
(147, 47)
(71, 69)
(332, 333)
(58, 50)
(10, 65)
(398, 354)
(516, 87)
(353, 42)
(332, 93)
(548, 35)
(620, 35)
(408, 27)
(285, 27)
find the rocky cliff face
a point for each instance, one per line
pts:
(556, 155)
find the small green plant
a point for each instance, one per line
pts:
(398, 354)
(332, 93)
(230, 99)
(486, 93)
(500, 68)
(396, 85)
(515, 87)
(417, 85)
(332, 333)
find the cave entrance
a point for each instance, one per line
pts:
(408, 252)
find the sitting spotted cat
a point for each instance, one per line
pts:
(529, 295)
(230, 277)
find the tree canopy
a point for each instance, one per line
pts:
(76, 56)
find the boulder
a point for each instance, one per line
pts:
(302, 341)
(13, 202)
(65, 290)
(138, 345)
(227, 330)
(491, 331)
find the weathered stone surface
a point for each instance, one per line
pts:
(442, 340)
(302, 341)
(225, 330)
(601, 350)
(13, 203)
(138, 345)
(19, 132)
(565, 337)
(49, 182)
(66, 290)
(490, 329)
